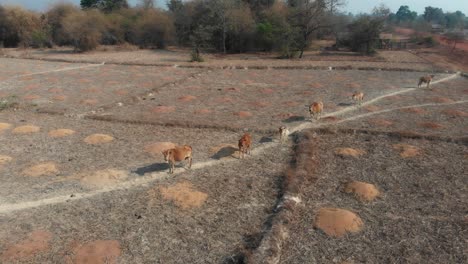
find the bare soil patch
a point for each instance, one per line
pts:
(26, 129)
(98, 139)
(4, 126)
(407, 151)
(431, 125)
(42, 169)
(455, 113)
(37, 242)
(5, 159)
(97, 252)
(62, 132)
(102, 178)
(349, 152)
(184, 195)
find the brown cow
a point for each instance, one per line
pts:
(244, 145)
(425, 79)
(179, 153)
(358, 97)
(284, 132)
(315, 110)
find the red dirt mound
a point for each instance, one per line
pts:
(232, 89)
(5, 159)
(381, 122)
(203, 111)
(26, 129)
(260, 104)
(442, 100)
(97, 252)
(291, 103)
(354, 85)
(121, 92)
(89, 102)
(414, 110)
(162, 109)
(316, 85)
(57, 133)
(363, 191)
(454, 113)
(47, 168)
(4, 126)
(98, 139)
(336, 222)
(59, 98)
(37, 242)
(349, 152)
(243, 114)
(184, 195)
(268, 91)
(431, 125)
(224, 100)
(331, 118)
(407, 151)
(31, 97)
(187, 98)
(55, 90)
(371, 108)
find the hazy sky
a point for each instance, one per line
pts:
(354, 6)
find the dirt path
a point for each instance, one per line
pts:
(8, 208)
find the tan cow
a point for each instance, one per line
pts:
(425, 79)
(283, 132)
(358, 97)
(315, 110)
(244, 145)
(179, 153)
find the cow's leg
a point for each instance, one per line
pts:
(190, 162)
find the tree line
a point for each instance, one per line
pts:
(227, 26)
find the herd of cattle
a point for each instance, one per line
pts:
(181, 153)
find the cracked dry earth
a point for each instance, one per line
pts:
(84, 181)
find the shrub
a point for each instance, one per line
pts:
(84, 29)
(364, 34)
(154, 29)
(55, 17)
(17, 26)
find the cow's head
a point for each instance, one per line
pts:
(167, 153)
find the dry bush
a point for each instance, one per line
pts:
(84, 29)
(17, 26)
(154, 29)
(55, 17)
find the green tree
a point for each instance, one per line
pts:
(455, 20)
(434, 15)
(404, 14)
(364, 33)
(104, 5)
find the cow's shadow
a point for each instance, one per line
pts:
(345, 104)
(224, 152)
(294, 119)
(266, 139)
(152, 168)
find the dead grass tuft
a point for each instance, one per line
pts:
(162, 109)
(5, 159)
(381, 122)
(243, 114)
(187, 98)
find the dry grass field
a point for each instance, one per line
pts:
(84, 179)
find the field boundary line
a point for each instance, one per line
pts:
(141, 181)
(353, 107)
(56, 70)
